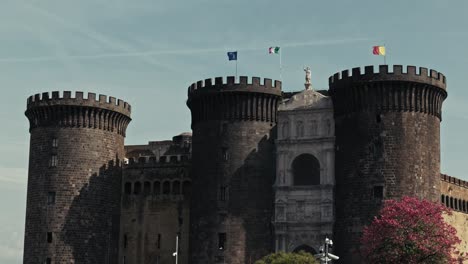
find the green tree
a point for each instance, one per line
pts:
(288, 258)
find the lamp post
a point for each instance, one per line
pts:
(176, 253)
(324, 255)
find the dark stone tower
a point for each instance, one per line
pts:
(74, 179)
(233, 169)
(387, 144)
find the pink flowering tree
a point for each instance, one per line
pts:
(410, 231)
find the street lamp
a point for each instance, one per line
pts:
(324, 255)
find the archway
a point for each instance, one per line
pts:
(306, 170)
(305, 248)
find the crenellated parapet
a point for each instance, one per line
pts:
(106, 113)
(454, 181)
(248, 99)
(383, 90)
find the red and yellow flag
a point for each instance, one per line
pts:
(378, 50)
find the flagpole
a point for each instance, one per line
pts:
(281, 67)
(385, 55)
(236, 68)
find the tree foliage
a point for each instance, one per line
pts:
(288, 258)
(410, 231)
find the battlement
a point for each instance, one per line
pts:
(423, 75)
(103, 101)
(170, 161)
(104, 112)
(244, 84)
(453, 180)
(382, 91)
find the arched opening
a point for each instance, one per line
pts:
(156, 188)
(166, 187)
(305, 248)
(176, 188)
(146, 188)
(137, 188)
(306, 170)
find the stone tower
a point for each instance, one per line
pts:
(233, 169)
(387, 143)
(74, 179)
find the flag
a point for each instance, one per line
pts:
(273, 50)
(378, 50)
(232, 55)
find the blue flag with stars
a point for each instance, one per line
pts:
(232, 55)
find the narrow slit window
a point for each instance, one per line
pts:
(49, 237)
(53, 161)
(51, 198)
(221, 241)
(225, 154)
(378, 192)
(223, 193)
(54, 142)
(125, 241)
(159, 241)
(48, 261)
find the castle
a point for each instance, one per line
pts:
(262, 171)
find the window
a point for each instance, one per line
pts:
(54, 142)
(147, 188)
(53, 161)
(173, 159)
(159, 241)
(378, 192)
(137, 188)
(125, 241)
(223, 193)
(48, 261)
(225, 154)
(51, 198)
(166, 187)
(49, 237)
(299, 129)
(157, 188)
(306, 170)
(221, 241)
(176, 188)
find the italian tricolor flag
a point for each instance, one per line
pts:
(378, 50)
(273, 50)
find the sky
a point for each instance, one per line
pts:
(147, 52)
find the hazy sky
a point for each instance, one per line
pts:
(148, 52)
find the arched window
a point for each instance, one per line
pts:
(156, 188)
(137, 188)
(285, 130)
(305, 248)
(442, 199)
(147, 188)
(451, 202)
(176, 188)
(166, 187)
(456, 204)
(299, 129)
(306, 170)
(447, 201)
